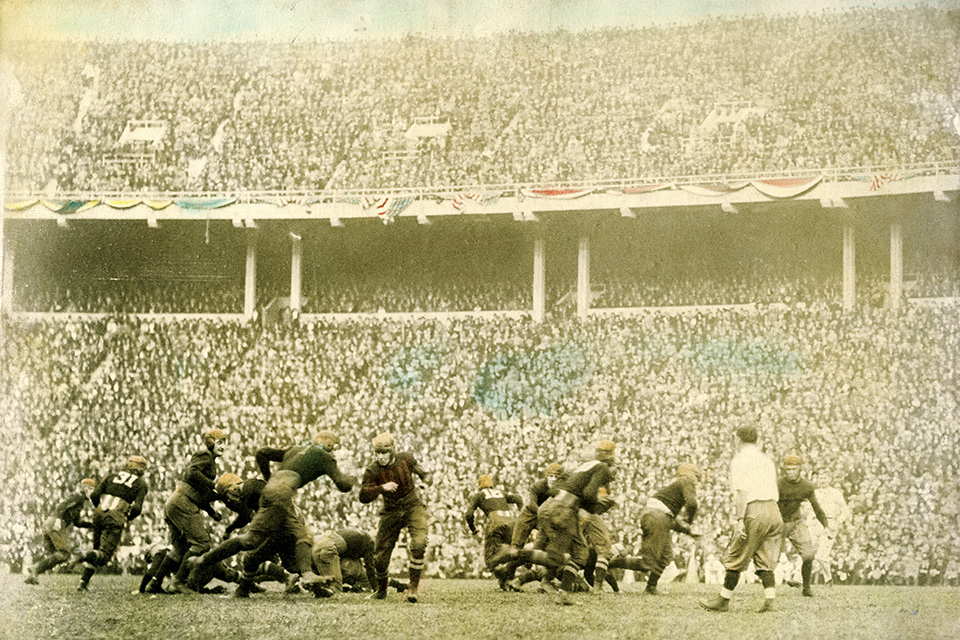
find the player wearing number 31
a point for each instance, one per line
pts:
(118, 499)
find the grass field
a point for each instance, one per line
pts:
(469, 609)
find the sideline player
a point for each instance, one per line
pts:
(392, 476)
(57, 528)
(118, 500)
(500, 520)
(794, 490)
(753, 478)
(276, 522)
(838, 513)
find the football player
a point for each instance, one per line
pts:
(188, 532)
(276, 525)
(539, 492)
(392, 476)
(118, 500)
(793, 491)
(658, 519)
(500, 521)
(558, 520)
(57, 528)
(332, 549)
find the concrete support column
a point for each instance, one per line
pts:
(250, 281)
(896, 264)
(539, 278)
(295, 271)
(583, 277)
(849, 266)
(6, 299)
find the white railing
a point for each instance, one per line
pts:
(319, 195)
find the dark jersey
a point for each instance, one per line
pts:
(489, 499)
(201, 476)
(69, 511)
(679, 494)
(309, 461)
(359, 544)
(122, 491)
(585, 481)
(402, 471)
(792, 494)
(539, 492)
(247, 505)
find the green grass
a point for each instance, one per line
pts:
(469, 609)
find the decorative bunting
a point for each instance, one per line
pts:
(785, 187)
(69, 206)
(21, 205)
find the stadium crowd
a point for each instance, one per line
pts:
(859, 88)
(505, 397)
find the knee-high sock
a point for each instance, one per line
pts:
(224, 550)
(88, 572)
(416, 568)
(806, 571)
(304, 557)
(731, 579)
(631, 563)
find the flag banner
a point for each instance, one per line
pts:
(364, 202)
(122, 204)
(158, 204)
(557, 194)
(714, 189)
(277, 201)
(785, 187)
(69, 206)
(462, 200)
(389, 208)
(646, 188)
(878, 180)
(202, 204)
(21, 205)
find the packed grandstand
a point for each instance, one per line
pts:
(495, 395)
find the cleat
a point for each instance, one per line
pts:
(254, 588)
(768, 605)
(564, 598)
(651, 591)
(155, 588)
(31, 579)
(219, 590)
(180, 587)
(513, 585)
(792, 583)
(242, 591)
(412, 594)
(808, 592)
(83, 587)
(716, 604)
(322, 592)
(379, 594)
